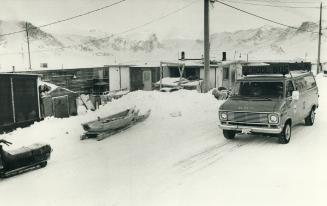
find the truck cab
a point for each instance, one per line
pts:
(270, 102)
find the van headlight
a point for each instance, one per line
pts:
(223, 116)
(273, 118)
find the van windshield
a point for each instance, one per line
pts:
(258, 89)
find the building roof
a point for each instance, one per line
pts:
(54, 88)
(20, 74)
(293, 74)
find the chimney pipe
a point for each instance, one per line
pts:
(224, 56)
(182, 55)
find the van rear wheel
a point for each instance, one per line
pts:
(310, 119)
(285, 135)
(229, 134)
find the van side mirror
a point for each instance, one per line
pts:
(295, 95)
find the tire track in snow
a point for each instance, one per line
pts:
(212, 154)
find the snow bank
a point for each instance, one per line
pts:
(120, 168)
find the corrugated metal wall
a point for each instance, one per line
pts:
(6, 110)
(19, 100)
(77, 80)
(25, 99)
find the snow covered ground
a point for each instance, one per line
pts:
(178, 156)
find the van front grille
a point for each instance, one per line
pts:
(248, 117)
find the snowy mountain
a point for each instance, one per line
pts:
(273, 43)
(96, 48)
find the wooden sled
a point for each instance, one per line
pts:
(111, 122)
(102, 134)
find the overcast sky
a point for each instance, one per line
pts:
(187, 23)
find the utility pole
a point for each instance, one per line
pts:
(206, 46)
(319, 41)
(28, 46)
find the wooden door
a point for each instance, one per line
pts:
(61, 106)
(147, 80)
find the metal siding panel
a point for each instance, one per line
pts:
(26, 99)
(6, 115)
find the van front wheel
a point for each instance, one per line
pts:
(229, 134)
(310, 119)
(285, 135)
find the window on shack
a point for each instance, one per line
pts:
(225, 73)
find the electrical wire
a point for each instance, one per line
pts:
(133, 28)
(277, 6)
(264, 18)
(120, 33)
(283, 2)
(63, 20)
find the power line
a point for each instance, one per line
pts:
(277, 6)
(282, 2)
(112, 35)
(159, 18)
(63, 20)
(264, 18)
(133, 28)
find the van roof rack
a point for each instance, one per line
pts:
(275, 68)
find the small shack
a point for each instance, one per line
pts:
(194, 71)
(132, 78)
(119, 78)
(232, 70)
(80, 80)
(144, 76)
(19, 100)
(57, 101)
(229, 72)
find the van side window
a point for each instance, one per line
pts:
(289, 89)
(310, 82)
(300, 84)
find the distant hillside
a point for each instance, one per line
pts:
(271, 43)
(85, 49)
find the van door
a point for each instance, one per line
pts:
(311, 94)
(291, 105)
(302, 107)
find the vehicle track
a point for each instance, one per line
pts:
(212, 154)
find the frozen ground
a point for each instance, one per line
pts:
(178, 156)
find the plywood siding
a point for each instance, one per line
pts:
(77, 80)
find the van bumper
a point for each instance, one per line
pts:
(250, 129)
